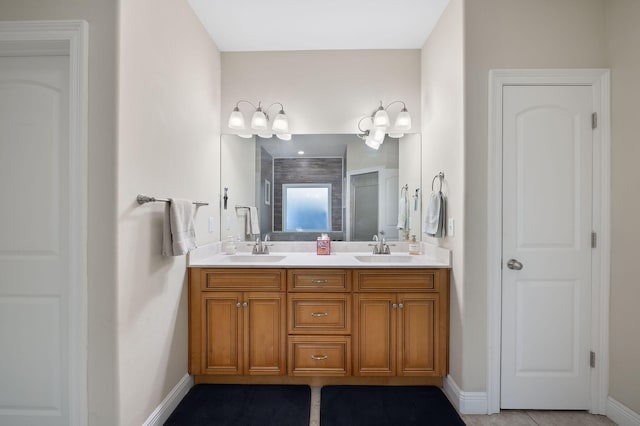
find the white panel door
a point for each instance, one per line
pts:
(34, 241)
(547, 224)
(389, 199)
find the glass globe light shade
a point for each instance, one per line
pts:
(280, 123)
(381, 118)
(403, 121)
(236, 119)
(259, 120)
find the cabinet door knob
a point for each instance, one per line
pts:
(319, 358)
(394, 306)
(319, 314)
(238, 305)
(318, 281)
(245, 304)
(401, 305)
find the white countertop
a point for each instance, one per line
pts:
(303, 256)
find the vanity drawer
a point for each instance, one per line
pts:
(319, 313)
(248, 279)
(319, 356)
(336, 280)
(380, 280)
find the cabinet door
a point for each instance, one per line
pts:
(375, 334)
(417, 331)
(265, 333)
(222, 333)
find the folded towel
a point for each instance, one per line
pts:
(252, 223)
(402, 214)
(178, 232)
(434, 221)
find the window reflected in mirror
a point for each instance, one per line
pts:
(306, 207)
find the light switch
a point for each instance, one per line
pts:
(451, 227)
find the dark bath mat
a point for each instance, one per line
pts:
(385, 406)
(243, 405)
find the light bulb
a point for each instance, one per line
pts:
(395, 134)
(236, 119)
(403, 120)
(245, 135)
(284, 136)
(265, 135)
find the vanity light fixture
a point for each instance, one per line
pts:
(381, 125)
(260, 122)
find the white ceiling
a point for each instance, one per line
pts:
(252, 25)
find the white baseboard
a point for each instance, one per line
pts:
(465, 402)
(621, 414)
(170, 402)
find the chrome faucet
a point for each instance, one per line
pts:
(381, 246)
(259, 247)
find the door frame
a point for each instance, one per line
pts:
(599, 80)
(68, 37)
(347, 186)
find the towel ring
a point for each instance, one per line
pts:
(439, 175)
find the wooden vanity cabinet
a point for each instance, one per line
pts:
(319, 322)
(403, 332)
(318, 326)
(240, 332)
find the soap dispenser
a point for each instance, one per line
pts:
(414, 246)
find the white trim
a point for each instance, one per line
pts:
(599, 80)
(621, 414)
(170, 402)
(465, 402)
(76, 34)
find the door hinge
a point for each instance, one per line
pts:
(594, 240)
(594, 120)
(592, 359)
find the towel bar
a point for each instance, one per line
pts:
(439, 175)
(142, 199)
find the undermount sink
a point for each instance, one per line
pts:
(255, 258)
(384, 258)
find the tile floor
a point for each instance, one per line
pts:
(505, 418)
(537, 418)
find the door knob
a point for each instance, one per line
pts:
(514, 264)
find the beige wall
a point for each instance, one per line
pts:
(623, 39)
(443, 151)
(168, 146)
(508, 34)
(101, 16)
(323, 91)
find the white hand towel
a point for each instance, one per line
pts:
(252, 223)
(435, 216)
(402, 214)
(178, 234)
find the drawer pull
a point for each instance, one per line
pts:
(317, 281)
(319, 358)
(319, 314)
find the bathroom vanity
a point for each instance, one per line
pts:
(347, 318)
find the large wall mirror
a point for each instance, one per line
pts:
(325, 183)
